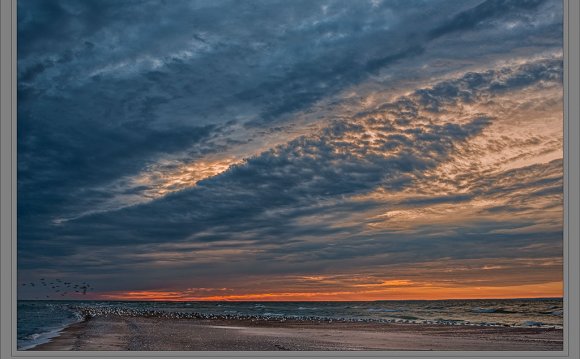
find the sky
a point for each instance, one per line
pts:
(290, 150)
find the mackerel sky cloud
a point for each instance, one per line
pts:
(303, 150)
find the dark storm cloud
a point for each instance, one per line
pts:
(305, 170)
(267, 196)
(107, 89)
(473, 17)
(128, 93)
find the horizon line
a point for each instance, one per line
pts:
(286, 301)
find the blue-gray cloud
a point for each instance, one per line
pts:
(108, 88)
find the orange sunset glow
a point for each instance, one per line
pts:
(426, 292)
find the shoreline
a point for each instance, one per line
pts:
(116, 332)
(90, 312)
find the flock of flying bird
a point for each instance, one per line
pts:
(60, 287)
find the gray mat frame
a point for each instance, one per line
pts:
(8, 218)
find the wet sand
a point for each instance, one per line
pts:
(121, 333)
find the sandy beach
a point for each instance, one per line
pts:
(121, 333)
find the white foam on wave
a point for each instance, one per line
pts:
(33, 340)
(36, 339)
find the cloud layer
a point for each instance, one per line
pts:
(268, 142)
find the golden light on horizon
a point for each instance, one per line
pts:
(397, 290)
